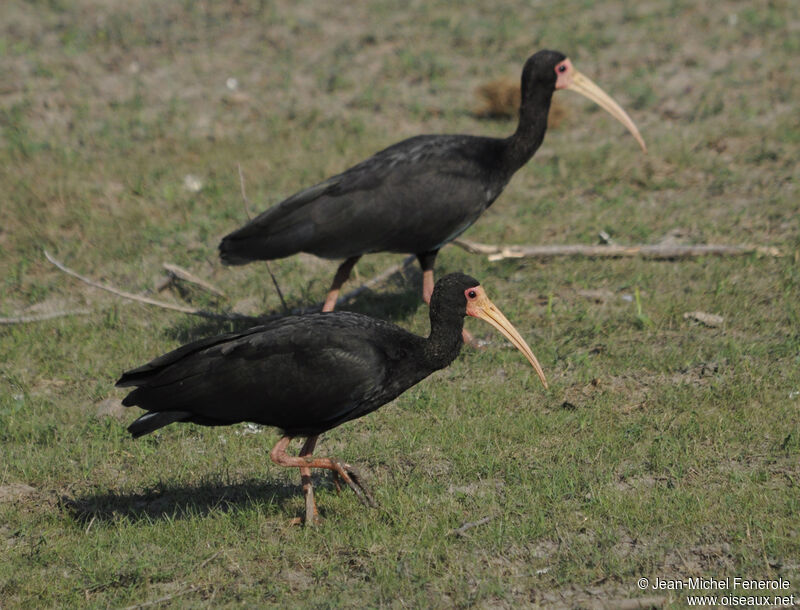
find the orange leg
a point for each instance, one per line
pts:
(305, 462)
(426, 262)
(342, 273)
(312, 515)
(427, 285)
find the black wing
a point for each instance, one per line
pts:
(411, 197)
(303, 374)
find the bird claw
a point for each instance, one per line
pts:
(352, 477)
(336, 483)
(309, 521)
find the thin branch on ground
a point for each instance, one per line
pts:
(381, 277)
(207, 561)
(278, 288)
(146, 300)
(245, 201)
(469, 525)
(606, 238)
(39, 317)
(175, 272)
(246, 204)
(88, 527)
(654, 251)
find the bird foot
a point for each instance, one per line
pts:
(310, 522)
(354, 480)
(312, 517)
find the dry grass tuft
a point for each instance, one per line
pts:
(499, 99)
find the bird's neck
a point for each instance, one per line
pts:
(445, 341)
(525, 141)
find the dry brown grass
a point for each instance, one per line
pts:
(499, 99)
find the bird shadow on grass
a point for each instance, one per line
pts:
(397, 299)
(169, 502)
(394, 306)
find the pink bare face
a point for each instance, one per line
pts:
(564, 72)
(479, 306)
(472, 295)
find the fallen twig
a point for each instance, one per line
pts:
(245, 201)
(246, 204)
(146, 300)
(469, 525)
(38, 317)
(709, 319)
(226, 316)
(179, 273)
(654, 251)
(277, 287)
(207, 561)
(606, 238)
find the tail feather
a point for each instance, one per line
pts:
(231, 253)
(153, 420)
(282, 230)
(246, 245)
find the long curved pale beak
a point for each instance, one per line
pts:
(586, 87)
(481, 307)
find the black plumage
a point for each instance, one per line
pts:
(307, 374)
(415, 196)
(302, 374)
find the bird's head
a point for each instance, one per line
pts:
(461, 293)
(551, 71)
(539, 70)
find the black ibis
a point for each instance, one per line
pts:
(417, 195)
(308, 374)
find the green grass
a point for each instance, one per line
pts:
(663, 448)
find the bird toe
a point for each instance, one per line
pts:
(353, 478)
